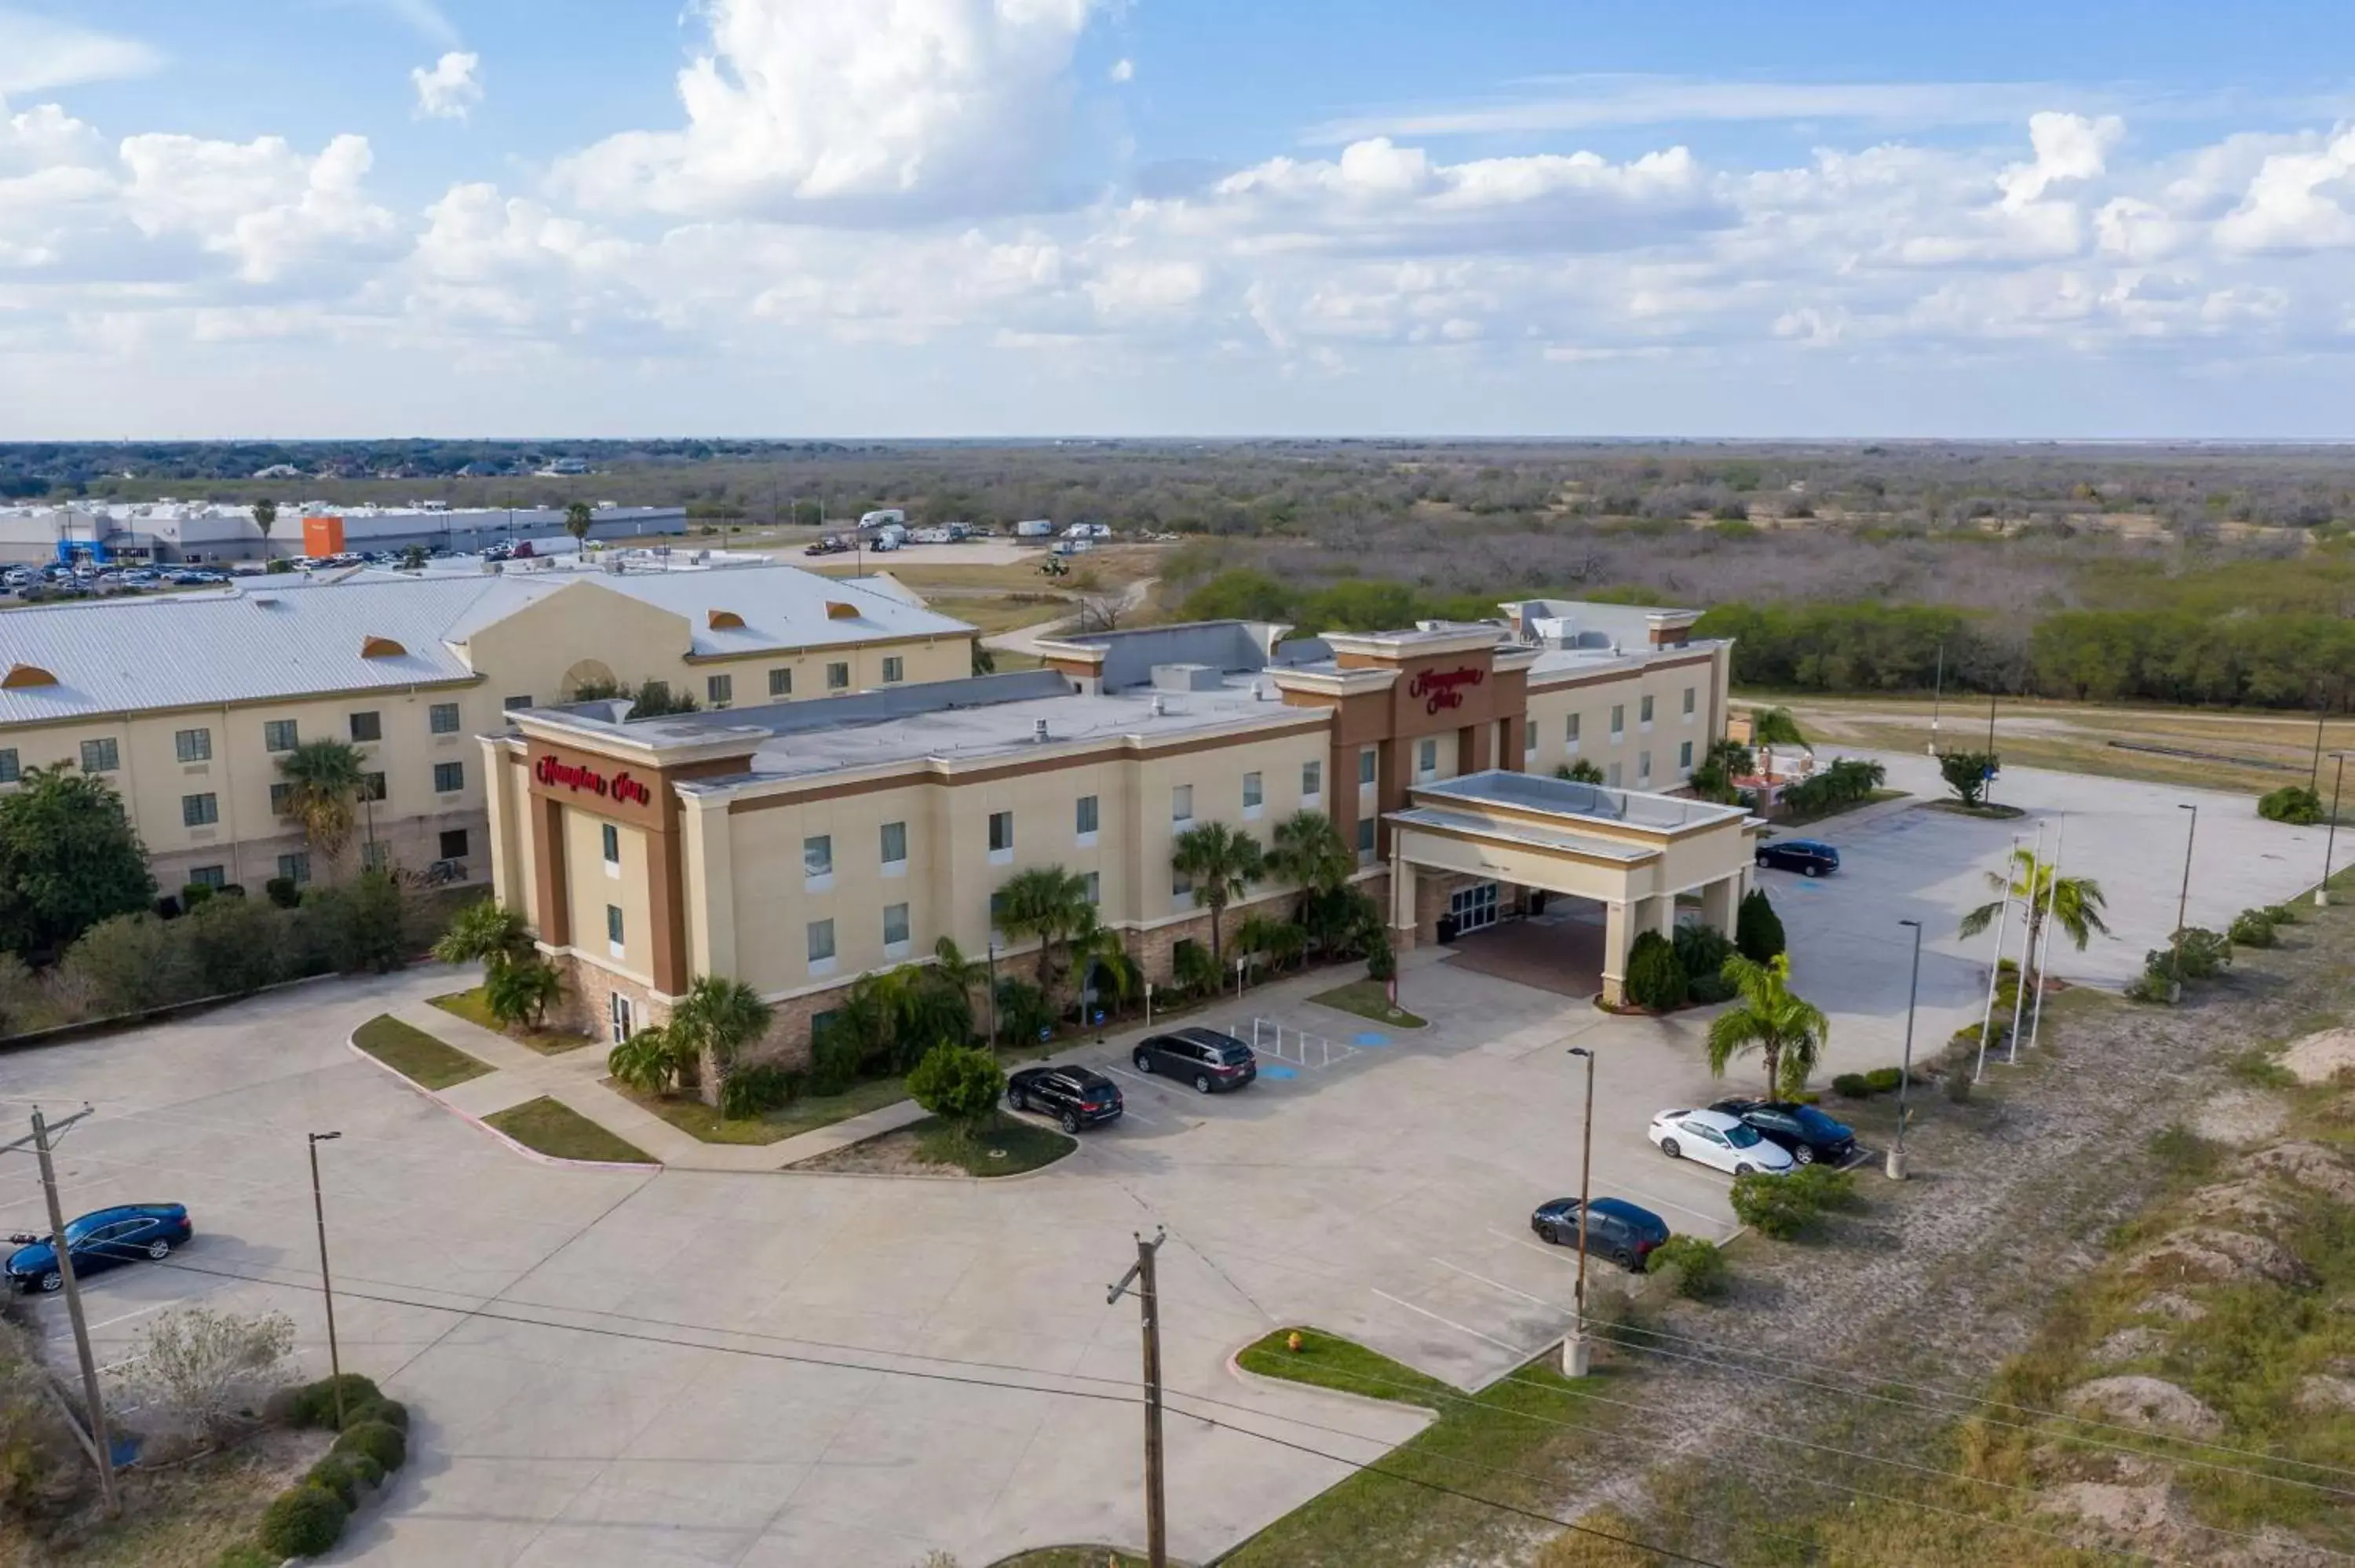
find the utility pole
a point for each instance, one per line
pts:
(1575, 1352)
(1937, 695)
(1896, 1161)
(101, 1446)
(1148, 1303)
(2330, 835)
(326, 1284)
(2182, 899)
(1987, 795)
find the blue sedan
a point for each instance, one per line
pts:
(100, 1240)
(1809, 857)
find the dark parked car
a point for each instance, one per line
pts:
(100, 1240)
(1806, 856)
(1806, 1132)
(1203, 1057)
(1615, 1229)
(1076, 1097)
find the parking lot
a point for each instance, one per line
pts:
(610, 1367)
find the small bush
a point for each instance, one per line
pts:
(384, 1444)
(194, 896)
(1851, 1086)
(302, 1522)
(2281, 914)
(1825, 1188)
(1757, 930)
(1771, 1206)
(1701, 951)
(389, 1412)
(367, 1469)
(1655, 979)
(1381, 963)
(2292, 803)
(834, 1061)
(1884, 1080)
(2251, 928)
(336, 1474)
(1698, 1267)
(313, 1404)
(754, 1088)
(282, 892)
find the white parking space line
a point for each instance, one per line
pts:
(1649, 1198)
(141, 1312)
(1143, 1078)
(1499, 1285)
(1555, 1254)
(1451, 1322)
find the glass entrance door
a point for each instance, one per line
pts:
(1475, 908)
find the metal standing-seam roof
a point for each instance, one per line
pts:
(291, 637)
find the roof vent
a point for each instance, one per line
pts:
(381, 647)
(1160, 706)
(267, 602)
(1039, 732)
(838, 611)
(20, 676)
(1262, 691)
(723, 620)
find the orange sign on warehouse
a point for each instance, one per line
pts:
(322, 536)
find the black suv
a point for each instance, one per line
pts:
(1615, 1229)
(1809, 857)
(1076, 1097)
(1806, 1132)
(1203, 1057)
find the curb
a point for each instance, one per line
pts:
(352, 1045)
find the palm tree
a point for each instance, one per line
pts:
(2076, 902)
(265, 515)
(326, 777)
(521, 994)
(957, 975)
(1787, 1030)
(577, 518)
(1276, 942)
(1307, 851)
(1223, 863)
(649, 1061)
(714, 1020)
(1051, 903)
(1102, 952)
(486, 932)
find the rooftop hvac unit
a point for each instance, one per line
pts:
(1039, 732)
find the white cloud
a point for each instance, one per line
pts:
(37, 53)
(269, 208)
(831, 110)
(450, 88)
(1122, 69)
(2069, 148)
(2296, 201)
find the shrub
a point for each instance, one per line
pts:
(1771, 1206)
(1851, 1086)
(362, 1467)
(1698, 1267)
(750, 1088)
(2292, 803)
(1381, 963)
(1966, 773)
(1024, 1013)
(302, 1522)
(2281, 914)
(237, 946)
(2251, 928)
(357, 925)
(1884, 1080)
(1655, 979)
(389, 1412)
(380, 1441)
(313, 1404)
(960, 1085)
(833, 1060)
(194, 895)
(336, 1474)
(1701, 951)
(1823, 1188)
(211, 1371)
(1757, 930)
(133, 962)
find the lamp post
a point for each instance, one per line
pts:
(1995, 965)
(1575, 1352)
(993, 992)
(2330, 835)
(1896, 1164)
(327, 1284)
(1989, 790)
(2182, 899)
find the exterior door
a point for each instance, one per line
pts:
(1475, 908)
(618, 1013)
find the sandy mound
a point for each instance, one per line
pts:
(2240, 1116)
(2138, 1342)
(2147, 1405)
(2142, 1519)
(2214, 1256)
(2168, 1304)
(2241, 1205)
(2309, 1165)
(2323, 1395)
(2115, 1510)
(2322, 1058)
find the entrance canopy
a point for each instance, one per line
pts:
(1633, 853)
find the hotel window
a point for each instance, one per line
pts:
(613, 925)
(449, 777)
(821, 941)
(295, 868)
(200, 810)
(1644, 712)
(1181, 803)
(721, 690)
(1001, 832)
(193, 744)
(1684, 757)
(1365, 837)
(441, 718)
(512, 703)
(818, 855)
(9, 771)
(1618, 720)
(1689, 702)
(895, 844)
(1426, 759)
(1093, 885)
(1529, 738)
(611, 836)
(367, 727)
(998, 912)
(1181, 887)
(894, 667)
(279, 735)
(895, 925)
(1312, 780)
(281, 797)
(837, 677)
(1365, 766)
(1085, 819)
(209, 875)
(781, 683)
(1254, 793)
(1643, 768)
(372, 787)
(1570, 736)
(101, 756)
(453, 844)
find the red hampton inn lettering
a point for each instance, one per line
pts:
(1443, 688)
(575, 778)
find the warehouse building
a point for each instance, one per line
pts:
(186, 702)
(797, 848)
(159, 531)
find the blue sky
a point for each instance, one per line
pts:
(1038, 217)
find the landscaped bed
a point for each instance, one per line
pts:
(556, 1130)
(807, 1113)
(1367, 998)
(201, 1514)
(415, 1055)
(1805, 819)
(934, 1147)
(471, 1006)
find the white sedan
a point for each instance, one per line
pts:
(1716, 1138)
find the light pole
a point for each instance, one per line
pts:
(2182, 899)
(993, 992)
(1995, 965)
(2027, 947)
(2330, 835)
(1574, 1354)
(327, 1284)
(1989, 790)
(1937, 695)
(1896, 1165)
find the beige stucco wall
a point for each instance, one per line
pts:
(591, 890)
(1552, 703)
